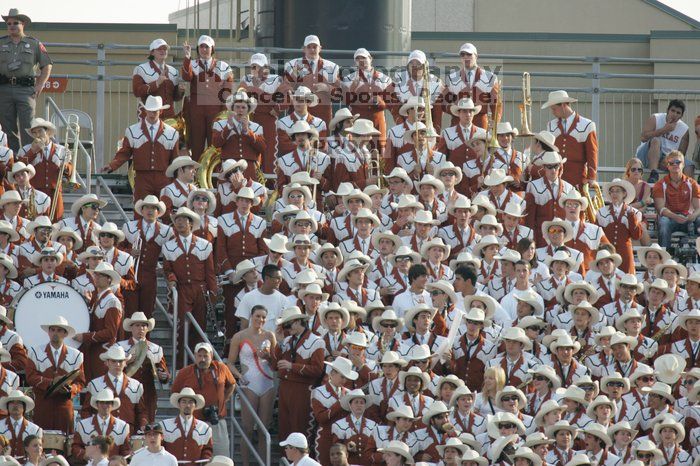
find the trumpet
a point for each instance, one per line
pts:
(375, 167)
(595, 202)
(526, 107)
(31, 207)
(73, 125)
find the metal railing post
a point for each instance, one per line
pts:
(595, 92)
(185, 338)
(100, 107)
(173, 291)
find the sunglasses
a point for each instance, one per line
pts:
(201, 198)
(237, 170)
(391, 325)
(648, 378)
(152, 428)
(436, 293)
(443, 174)
(93, 206)
(534, 328)
(587, 388)
(506, 425)
(540, 378)
(12, 23)
(106, 235)
(616, 384)
(688, 382)
(296, 196)
(675, 162)
(551, 166)
(474, 322)
(637, 170)
(287, 326)
(645, 456)
(403, 259)
(509, 398)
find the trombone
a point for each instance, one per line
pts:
(312, 164)
(526, 107)
(493, 119)
(72, 126)
(428, 105)
(374, 167)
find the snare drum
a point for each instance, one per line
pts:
(55, 440)
(137, 442)
(44, 303)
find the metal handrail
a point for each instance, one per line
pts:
(51, 104)
(262, 429)
(111, 195)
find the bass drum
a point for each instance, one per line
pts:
(44, 303)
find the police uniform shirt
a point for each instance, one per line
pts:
(19, 60)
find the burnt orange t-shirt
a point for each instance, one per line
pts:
(678, 198)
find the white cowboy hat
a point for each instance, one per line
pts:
(107, 395)
(489, 302)
(114, 353)
(568, 290)
(401, 173)
(407, 201)
(576, 394)
(430, 180)
(353, 395)
(154, 103)
(86, 199)
(615, 377)
(465, 257)
(211, 205)
(61, 322)
(53, 459)
(668, 420)
(241, 96)
(41, 221)
(642, 370)
(105, 268)
(537, 438)
(464, 104)
(278, 243)
(4, 317)
(350, 266)
(41, 123)
(459, 392)
(509, 256)
(532, 321)
(403, 411)
(668, 368)
(334, 307)
(579, 459)
(630, 192)
(112, 229)
(660, 284)
(642, 253)
(357, 194)
(528, 454)
(91, 252)
(473, 456)
(632, 313)
(344, 367)
(305, 94)
(661, 389)
(65, 231)
(452, 443)
(19, 167)
(356, 339)
(366, 213)
(497, 176)
(513, 209)
(620, 427)
(484, 242)
(546, 139)
(671, 264)
(328, 247)
(506, 128)
(444, 286)
(412, 103)
(693, 314)
(530, 297)
(377, 236)
(573, 195)
(187, 392)
(551, 158)
(600, 400)
(7, 262)
(646, 445)
(419, 126)
(11, 196)
(621, 338)
(558, 97)
(340, 116)
(413, 372)
(450, 378)
(363, 127)
(399, 448)
(599, 432)
(517, 334)
(180, 162)
(435, 409)
(220, 460)
(435, 243)
(502, 417)
(290, 314)
(499, 444)
(138, 317)
(449, 166)
(509, 390)
(558, 222)
(372, 189)
(413, 312)
(629, 279)
(315, 290)
(387, 316)
(242, 268)
(547, 407)
(392, 357)
(304, 216)
(586, 306)
(561, 256)
(17, 395)
(489, 220)
(47, 252)
(189, 213)
(405, 251)
(551, 431)
(549, 373)
(605, 254)
(228, 165)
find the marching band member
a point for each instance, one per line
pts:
(450, 176)
(46, 157)
(412, 111)
(563, 434)
(400, 185)
(17, 427)
(266, 89)
(386, 385)
(10, 204)
(70, 240)
(562, 351)
(305, 156)
(315, 73)
(47, 261)
(337, 137)
(210, 84)
(50, 364)
(132, 408)
(12, 342)
(543, 194)
(237, 136)
(9, 380)
(352, 163)
(621, 222)
(410, 82)
(302, 100)
(354, 273)
(103, 424)
(20, 176)
(355, 430)
(182, 171)
(415, 293)
(155, 367)
(302, 248)
(85, 282)
(84, 219)
(105, 319)
(556, 233)
(472, 351)
(342, 227)
(157, 78)
(40, 229)
(506, 157)
(188, 265)
(434, 253)
(231, 180)
(496, 183)
(576, 138)
(8, 240)
(587, 237)
(515, 361)
(203, 203)
(122, 262)
(386, 245)
(146, 237)
(185, 436)
(421, 159)
(364, 223)
(687, 348)
(151, 145)
(396, 439)
(669, 434)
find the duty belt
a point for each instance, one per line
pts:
(27, 81)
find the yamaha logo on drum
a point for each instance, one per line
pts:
(52, 294)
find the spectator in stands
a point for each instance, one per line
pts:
(677, 199)
(296, 450)
(634, 169)
(663, 133)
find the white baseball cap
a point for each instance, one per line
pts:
(418, 55)
(361, 52)
(158, 43)
(312, 40)
(258, 59)
(204, 39)
(204, 346)
(468, 48)
(296, 440)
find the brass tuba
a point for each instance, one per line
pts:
(595, 201)
(210, 160)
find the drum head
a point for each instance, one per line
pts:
(43, 303)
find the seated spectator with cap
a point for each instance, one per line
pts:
(154, 454)
(296, 450)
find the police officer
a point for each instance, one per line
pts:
(19, 88)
